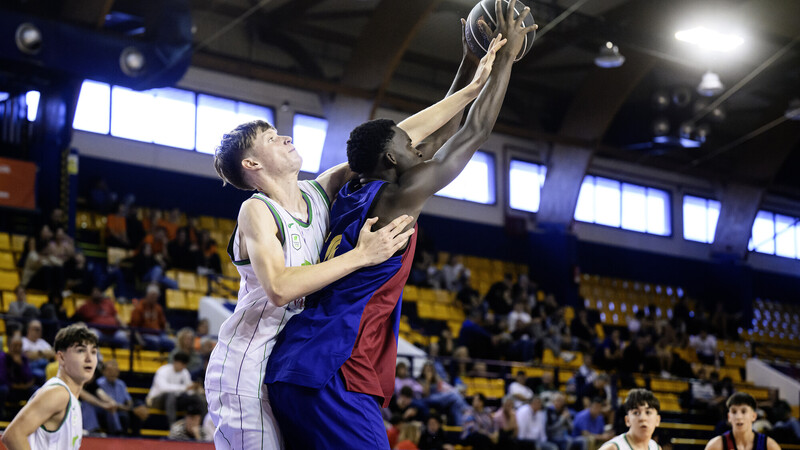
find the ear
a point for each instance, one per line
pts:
(250, 164)
(627, 420)
(390, 158)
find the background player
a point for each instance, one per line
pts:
(741, 415)
(344, 344)
(52, 417)
(278, 237)
(642, 416)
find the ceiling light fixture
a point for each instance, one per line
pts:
(710, 39)
(710, 85)
(609, 57)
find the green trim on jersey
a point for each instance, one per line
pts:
(616, 445)
(278, 220)
(322, 192)
(64, 419)
(242, 262)
(310, 212)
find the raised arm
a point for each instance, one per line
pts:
(284, 284)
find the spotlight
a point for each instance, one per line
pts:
(702, 132)
(660, 126)
(710, 39)
(686, 129)
(131, 61)
(661, 100)
(609, 57)
(28, 38)
(710, 85)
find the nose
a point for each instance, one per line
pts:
(419, 153)
(288, 139)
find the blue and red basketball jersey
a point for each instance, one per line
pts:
(352, 324)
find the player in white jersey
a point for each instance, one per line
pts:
(642, 416)
(275, 247)
(52, 417)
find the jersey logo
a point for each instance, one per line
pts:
(333, 246)
(296, 241)
(74, 438)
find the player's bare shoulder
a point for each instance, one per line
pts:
(610, 445)
(714, 444)
(772, 444)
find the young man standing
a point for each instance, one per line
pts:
(333, 366)
(642, 416)
(52, 417)
(741, 415)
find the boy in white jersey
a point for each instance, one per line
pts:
(642, 416)
(52, 417)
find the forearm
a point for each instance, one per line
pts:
(15, 441)
(424, 123)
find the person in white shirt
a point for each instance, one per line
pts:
(532, 425)
(172, 385)
(705, 345)
(520, 391)
(37, 350)
(519, 318)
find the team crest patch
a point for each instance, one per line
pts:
(296, 241)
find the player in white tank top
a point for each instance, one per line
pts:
(622, 442)
(642, 416)
(52, 419)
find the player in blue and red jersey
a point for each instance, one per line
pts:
(333, 366)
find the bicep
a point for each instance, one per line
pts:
(334, 178)
(772, 444)
(261, 240)
(39, 410)
(714, 444)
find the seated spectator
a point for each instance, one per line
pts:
(598, 388)
(505, 422)
(586, 370)
(786, 426)
(519, 391)
(117, 229)
(478, 429)
(99, 311)
(119, 420)
(190, 427)
(438, 394)
(546, 388)
(582, 330)
(200, 333)
(149, 315)
(559, 423)
(44, 270)
(499, 296)
(101, 198)
(57, 219)
(635, 322)
(703, 395)
(409, 435)
(77, 276)
(183, 254)
(185, 344)
(405, 407)
(635, 356)
(209, 258)
(16, 378)
(706, 347)
(609, 353)
(524, 291)
(519, 318)
(53, 310)
(433, 437)
(20, 308)
(30, 247)
(532, 426)
(64, 245)
(453, 273)
(149, 266)
(173, 388)
(171, 223)
(193, 232)
(38, 351)
(589, 425)
(402, 379)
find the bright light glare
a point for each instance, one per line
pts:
(710, 39)
(32, 100)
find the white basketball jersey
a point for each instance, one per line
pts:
(246, 338)
(69, 434)
(622, 443)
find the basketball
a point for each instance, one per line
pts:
(478, 42)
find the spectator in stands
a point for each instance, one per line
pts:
(559, 423)
(582, 331)
(439, 395)
(199, 333)
(433, 437)
(20, 309)
(28, 248)
(99, 311)
(499, 296)
(598, 388)
(37, 350)
(190, 427)
(589, 425)
(635, 322)
(453, 273)
(406, 407)
(470, 298)
(680, 315)
(505, 422)
(183, 254)
(57, 219)
(586, 371)
(43, 269)
(402, 379)
(519, 318)
(173, 388)
(209, 258)
(547, 387)
(64, 245)
(117, 228)
(609, 353)
(475, 337)
(149, 315)
(786, 426)
(149, 266)
(118, 420)
(478, 429)
(15, 373)
(634, 357)
(423, 271)
(53, 310)
(78, 279)
(532, 423)
(101, 198)
(135, 227)
(185, 344)
(171, 223)
(524, 291)
(519, 391)
(408, 436)
(703, 395)
(706, 346)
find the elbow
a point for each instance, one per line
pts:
(277, 295)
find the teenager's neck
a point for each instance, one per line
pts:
(73, 386)
(284, 191)
(743, 436)
(635, 442)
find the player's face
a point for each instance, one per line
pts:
(642, 421)
(741, 417)
(276, 152)
(406, 156)
(79, 362)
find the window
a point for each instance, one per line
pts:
(700, 218)
(776, 234)
(309, 138)
(217, 116)
(475, 183)
(94, 103)
(32, 100)
(622, 205)
(525, 181)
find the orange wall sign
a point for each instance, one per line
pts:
(17, 183)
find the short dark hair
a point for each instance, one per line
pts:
(182, 357)
(367, 142)
(75, 334)
(641, 397)
(406, 391)
(741, 398)
(233, 148)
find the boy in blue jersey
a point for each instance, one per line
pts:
(333, 366)
(741, 415)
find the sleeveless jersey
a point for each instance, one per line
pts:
(69, 433)
(351, 324)
(729, 442)
(622, 443)
(245, 340)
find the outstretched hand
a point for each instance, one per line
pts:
(485, 66)
(513, 29)
(378, 246)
